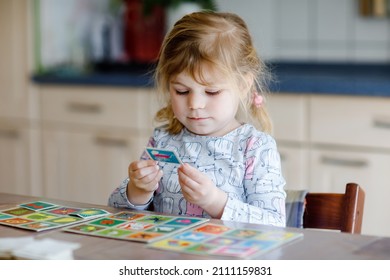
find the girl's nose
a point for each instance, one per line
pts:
(196, 101)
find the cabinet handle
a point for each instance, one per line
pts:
(110, 142)
(84, 107)
(343, 162)
(9, 134)
(381, 123)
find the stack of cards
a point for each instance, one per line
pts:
(46, 249)
(10, 244)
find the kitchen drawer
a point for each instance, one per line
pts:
(332, 167)
(129, 108)
(289, 115)
(351, 121)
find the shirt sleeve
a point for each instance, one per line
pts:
(264, 190)
(118, 197)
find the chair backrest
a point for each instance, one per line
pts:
(335, 211)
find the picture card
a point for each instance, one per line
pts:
(163, 155)
(38, 205)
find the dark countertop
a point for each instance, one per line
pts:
(323, 78)
(291, 77)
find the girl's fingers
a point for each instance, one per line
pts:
(184, 179)
(135, 165)
(141, 169)
(189, 175)
(145, 174)
(150, 182)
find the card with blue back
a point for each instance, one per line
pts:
(163, 155)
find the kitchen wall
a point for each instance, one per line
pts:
(315, 30)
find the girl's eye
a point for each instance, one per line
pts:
(213, 92)
(182, 92)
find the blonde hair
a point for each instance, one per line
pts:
(223, 41)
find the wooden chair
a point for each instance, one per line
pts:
(335, 211)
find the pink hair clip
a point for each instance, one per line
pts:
(257, 100)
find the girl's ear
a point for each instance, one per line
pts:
(248, 84)
(249, 80)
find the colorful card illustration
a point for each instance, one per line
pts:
(38, 205)
(41, 215)
(89, 213)
(64, 210)
(134, 226)
(163, 155)
(216, 239)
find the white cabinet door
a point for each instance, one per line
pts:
(90, 135)
(289, 114)
(294, 166)
(14, 59)
(87, 166)
(331, 169)
(363, 122)
(127, 108)
(20, 171)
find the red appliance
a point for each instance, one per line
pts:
(143, 33)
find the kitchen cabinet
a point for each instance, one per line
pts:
(19, 150)
(20, 170)
(354, 121)
(289, 114)
(14, 59)
(326, 141)
(86, 165)
(332, 167)
(350, 136)
(294, 162)
(90, 135)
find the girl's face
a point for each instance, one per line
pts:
(207, 110)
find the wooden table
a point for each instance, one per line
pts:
(315, 244)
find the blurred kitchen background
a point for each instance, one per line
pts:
(79, 33)
(77, 102)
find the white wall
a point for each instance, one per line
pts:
(315, 30)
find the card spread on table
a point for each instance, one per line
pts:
(136, 226)
(221, 240)
(163, 155)
(41, 215)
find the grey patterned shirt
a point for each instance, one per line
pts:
(244, 163)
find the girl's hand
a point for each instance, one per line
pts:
(199, 189)
(144, 176)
